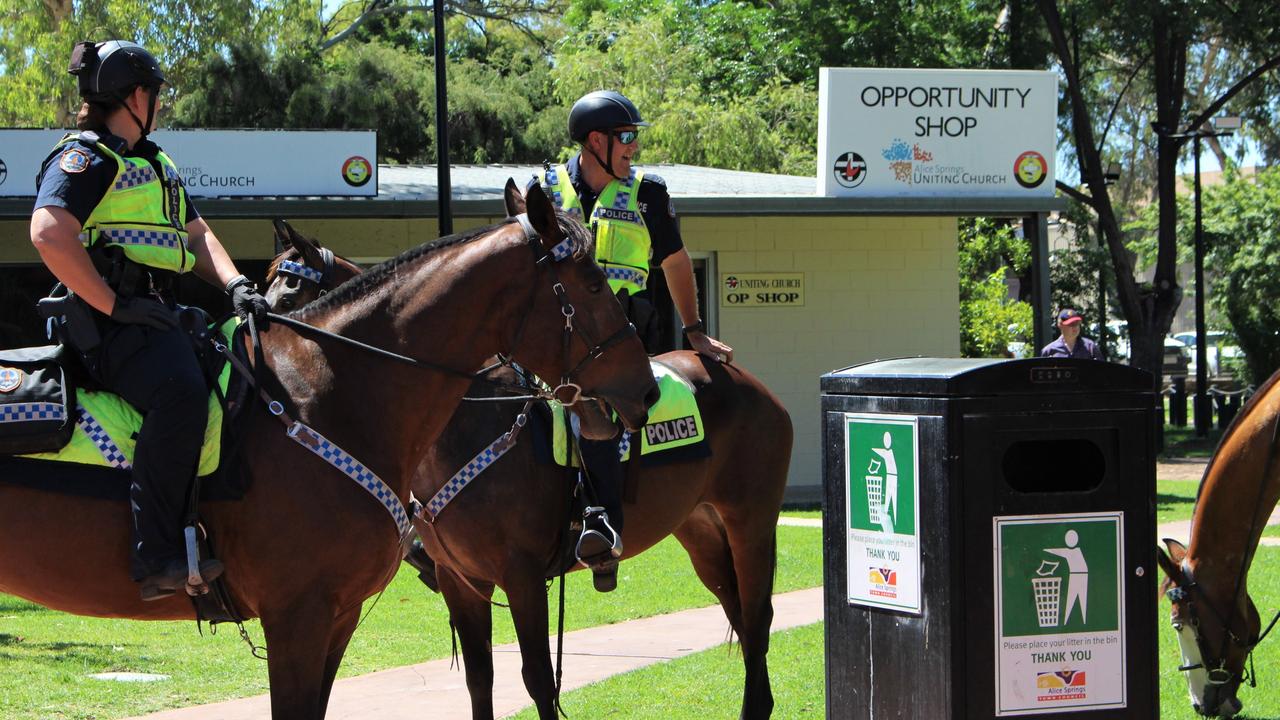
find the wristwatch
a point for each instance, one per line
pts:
(698, 326)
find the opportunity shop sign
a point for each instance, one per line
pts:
(895, 133)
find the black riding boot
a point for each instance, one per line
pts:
(600, 544)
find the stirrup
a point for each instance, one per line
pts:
(418, 558)
(599, 542)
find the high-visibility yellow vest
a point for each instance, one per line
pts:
(144, 216)
(623, 247)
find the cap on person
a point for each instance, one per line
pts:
(1069, 317)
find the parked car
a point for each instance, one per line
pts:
(1216, 351)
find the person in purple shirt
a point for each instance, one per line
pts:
(1069, 344)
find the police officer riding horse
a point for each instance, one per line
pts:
(114, 224)
(634, 221)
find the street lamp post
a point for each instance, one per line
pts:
(1203, 411)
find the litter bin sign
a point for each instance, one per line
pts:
(882, 507)
(1059, 626)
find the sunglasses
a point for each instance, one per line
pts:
(626, 137)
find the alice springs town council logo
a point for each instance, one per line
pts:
(1030, 169)
(356, 171)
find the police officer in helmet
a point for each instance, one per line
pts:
(113, 223)
(635, 226)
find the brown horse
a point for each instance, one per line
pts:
(306, 546)
(1216, 620)
(503, 529)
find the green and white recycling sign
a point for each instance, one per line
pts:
(1059, 602)
(882, 491)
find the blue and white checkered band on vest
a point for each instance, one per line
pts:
(289, 267)
(627, 274)
(101, 440)
(130, 236)
(135, 176)
(623, 198)
(624, 444)
(364, 477)
(22, 412)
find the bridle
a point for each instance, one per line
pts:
(567, 392)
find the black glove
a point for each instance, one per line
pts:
(142, 311)
(246, 300)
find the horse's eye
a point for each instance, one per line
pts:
(595, 288)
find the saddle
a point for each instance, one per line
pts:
(59, 434)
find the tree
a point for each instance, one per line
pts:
(1242, 229)
(36, 37)
(989, 319)
(1101, 48)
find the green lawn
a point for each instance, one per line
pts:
(681, 689)
(46, 656)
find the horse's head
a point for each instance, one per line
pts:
(1217, 626)
(600, 355)
(302, 270)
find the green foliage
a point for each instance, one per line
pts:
(36, 38)
(702, 75)
(989, 319)
(1242, 230)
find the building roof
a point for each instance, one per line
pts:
(411, 191)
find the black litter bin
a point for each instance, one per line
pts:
(989, 539)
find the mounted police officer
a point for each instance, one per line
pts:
(114, 224)
(634, 221)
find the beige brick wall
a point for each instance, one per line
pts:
(874, 288)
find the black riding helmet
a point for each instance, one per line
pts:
(108, 71)
(602, 110)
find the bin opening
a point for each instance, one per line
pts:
(1060, 465)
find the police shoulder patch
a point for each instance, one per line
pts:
(10, 379)
(654, 177)
(74, 160)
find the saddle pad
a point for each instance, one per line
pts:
(107, 427)
(674, 421)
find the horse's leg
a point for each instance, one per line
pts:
(753, 541)
(343, 628)
(703, 536)
(472, 618)
(298, 656)
(527, 595)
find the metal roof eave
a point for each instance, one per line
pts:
(273, 207)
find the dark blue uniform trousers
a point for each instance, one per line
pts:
(156, 371)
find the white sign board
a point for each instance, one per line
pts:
(882, 510)
(228, 163)
(932, 133)
(1059, 602)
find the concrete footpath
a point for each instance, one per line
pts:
(433, 690)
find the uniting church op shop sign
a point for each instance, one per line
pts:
(936, 133)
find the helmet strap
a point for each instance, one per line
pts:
(145, 128)
(606, 164)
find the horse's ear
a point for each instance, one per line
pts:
(1171, 562)
(283, 236)
(542, 215)
(309, 248)
(514, 200)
